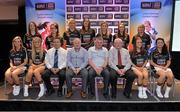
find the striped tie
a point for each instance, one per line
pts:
(56, 59)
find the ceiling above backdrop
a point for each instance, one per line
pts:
(9, 9)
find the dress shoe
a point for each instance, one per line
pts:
(113, 96)
(126, 95)
(50, 92)
(69, 94)
(83, 94)
(91, 95)
(59, 93)
(106, 96)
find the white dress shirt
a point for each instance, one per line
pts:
(62, 55)
(125, 58)
(98, 56)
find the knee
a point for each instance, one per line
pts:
(8, 74)
(30, 73)
(92, 73)
(170, 77)
(46, 75)
(84, 73)
(62, 74)
(106, 73)
(146, 76)
(162, 75)
(140, 76)
(132, 76)
(36, 72)
(14, 74)
(69, 74)
(113, 76)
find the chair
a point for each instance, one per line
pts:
(99, 79)
(77, 82)
(55, 82)
(21, 78)
(154, 77)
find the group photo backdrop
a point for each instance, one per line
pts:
(130, 12)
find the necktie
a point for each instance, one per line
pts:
(56, 59)
(119, 58)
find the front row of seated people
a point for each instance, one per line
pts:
(117, 62)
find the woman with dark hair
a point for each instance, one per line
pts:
(54, 28)
(36, 67)
(161, 60)
(122, 35)
(87, 34)
(105, 34)
(71, 32)
(32, 32)
(139, 60)
(18, 60)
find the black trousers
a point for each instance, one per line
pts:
(92, 74)
(46, 77)
(129, 76)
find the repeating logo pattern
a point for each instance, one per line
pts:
(111, 11)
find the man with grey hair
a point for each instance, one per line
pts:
(120, 65)
(77, 60)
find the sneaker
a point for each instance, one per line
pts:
(140, 94)
(41, 93)
(144, 93)
(16, 90)
(42, 90)
(166, 95)
(159, 94)
(26, 94)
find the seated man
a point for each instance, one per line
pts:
(55, 61)
(77, 60)
(120, 64)
(98, 58)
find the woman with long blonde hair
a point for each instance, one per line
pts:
(71, 32)
(105, 34)
(18, 60)
(36, 67)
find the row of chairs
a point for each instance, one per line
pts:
(152, 83)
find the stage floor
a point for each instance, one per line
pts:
(33, 93)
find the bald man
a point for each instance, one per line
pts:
(120, 66)
(77, 60)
